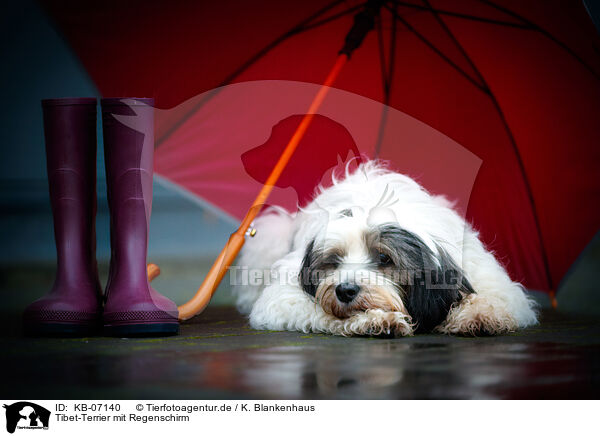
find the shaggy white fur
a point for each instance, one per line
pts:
(266, 277)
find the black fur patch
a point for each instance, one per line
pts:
(305, 277)
(431, 284)
(315, 264)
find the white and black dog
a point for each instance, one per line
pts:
(375, 254)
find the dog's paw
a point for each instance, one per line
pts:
(478, 315)
(377, 322)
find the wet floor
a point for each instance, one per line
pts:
(218, 356)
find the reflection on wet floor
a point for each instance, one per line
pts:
(391, 370)
(218, 356)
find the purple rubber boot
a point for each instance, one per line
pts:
(73, 305)
(132, 307)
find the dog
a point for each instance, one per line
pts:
(375, 254)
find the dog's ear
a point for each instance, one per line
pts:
(431, 282)
(306, 277)
(438, 284)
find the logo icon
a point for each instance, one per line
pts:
(26, 415)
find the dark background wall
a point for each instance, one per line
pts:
(37, 64)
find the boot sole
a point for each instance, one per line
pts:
(140, 330)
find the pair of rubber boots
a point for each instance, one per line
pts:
(75, 305)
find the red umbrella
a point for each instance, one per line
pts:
(514, 83)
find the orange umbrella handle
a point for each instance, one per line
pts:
(224, 260)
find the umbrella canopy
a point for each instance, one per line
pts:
(506, 93)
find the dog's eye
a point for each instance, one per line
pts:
(384, 259)
(331, 262)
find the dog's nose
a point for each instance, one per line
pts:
(346, 292)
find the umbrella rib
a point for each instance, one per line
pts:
(299, 28)
(383, 66)
(464, 16)
(511, 139)
(392, 55)
(387, 76)
(332, 18)
(439, 52)
(544, 32)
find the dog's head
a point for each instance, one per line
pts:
(357, 267)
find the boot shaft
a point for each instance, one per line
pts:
(70, 137)
(128, 129)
